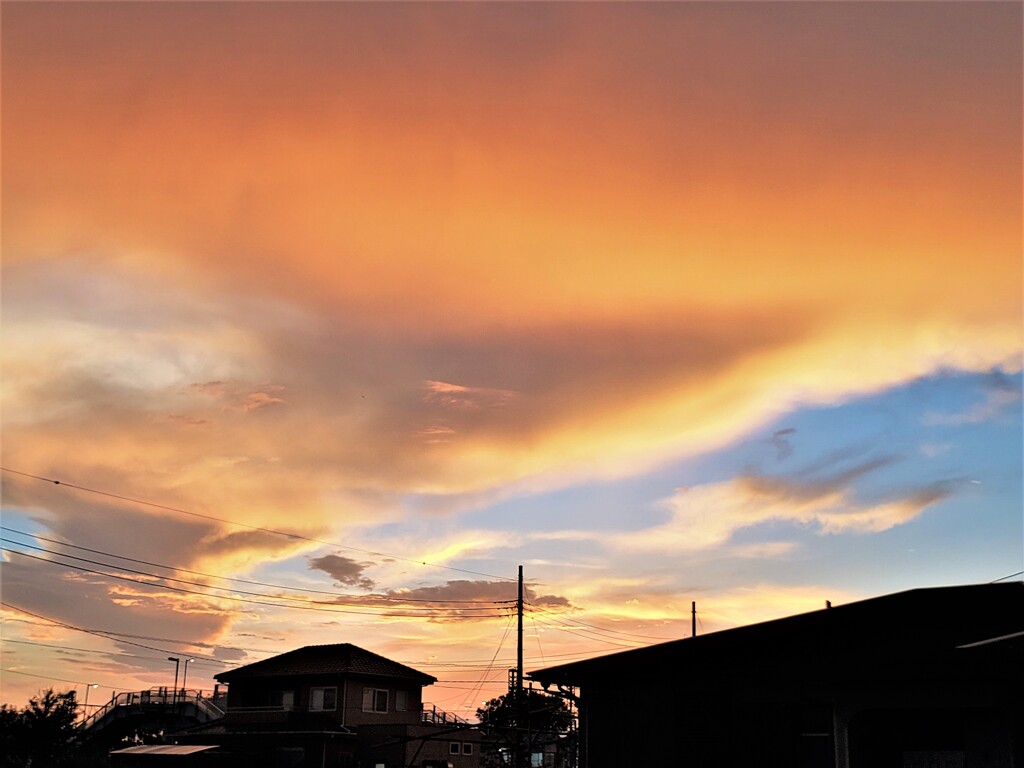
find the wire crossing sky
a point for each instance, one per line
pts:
(319, 319)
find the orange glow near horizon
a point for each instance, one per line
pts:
(472, 284)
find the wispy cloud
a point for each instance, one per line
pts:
(999, 395)
(459, 396)
(707, 516)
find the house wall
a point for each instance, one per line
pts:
(397, 746)
(355, 695)
(264, 697)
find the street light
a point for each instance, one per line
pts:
(184, 677)
(85, 706)
(175, 659)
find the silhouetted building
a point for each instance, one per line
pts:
(929, 678)
(332, 705)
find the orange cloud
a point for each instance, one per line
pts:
(293, 262)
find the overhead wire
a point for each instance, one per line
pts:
(536, 634)
(451, 666)
(451, 612)
(602, 629)
(158, 639)
(179, 569)
(91, 650)
(593, 638)
(55, 679)
(262, 529)
(483, 677)
(100, 633)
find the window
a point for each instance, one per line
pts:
(323, 699)
(283, 699)
(375, 700)
(453, 747)
(467, 748)
(401, 701)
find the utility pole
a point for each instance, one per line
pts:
(693, 619)
(519, 645)
(177, 662)
(522, 756)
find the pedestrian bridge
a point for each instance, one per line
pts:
(159, 708)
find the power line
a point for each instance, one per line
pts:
(247, 581)
(454, 613)
(56, 679)
(581, 633)
(90, 650)
(286, 534)
(157, 639)
(100, 633)
(483, 678)
(536, 634)
(452, 666)
(300, 599)
(603, 629)
(1004, 578)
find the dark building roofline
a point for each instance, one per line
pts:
(337, 659)
(956, 615)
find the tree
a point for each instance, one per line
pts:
(515, 731)
(42, 735)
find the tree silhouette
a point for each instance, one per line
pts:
(41, 735)
(513, 730)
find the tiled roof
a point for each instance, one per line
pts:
(339, 659)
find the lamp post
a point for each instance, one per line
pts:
(85, 705)
(175, 659)
(184, 677)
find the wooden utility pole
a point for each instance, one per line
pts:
(693, 619)
(522, 752)
(519, 645)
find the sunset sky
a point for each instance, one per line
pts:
(713, 302)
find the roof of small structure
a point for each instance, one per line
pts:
(886, 629)
(164, 749)
(338, 659)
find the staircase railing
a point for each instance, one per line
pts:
(154, 698)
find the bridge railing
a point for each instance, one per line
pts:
(437, 716)
(153, 698)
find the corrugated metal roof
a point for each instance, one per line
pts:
(163, 749)
(338, 659)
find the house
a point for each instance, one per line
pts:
(330, 705)
(928, 677)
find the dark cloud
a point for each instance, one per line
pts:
(245, 540)
(526, 384)
(551, 601)
(783, 448)
(229, 654)
(343, 570)
(925, 495)
(805, 489)
(459, 600)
